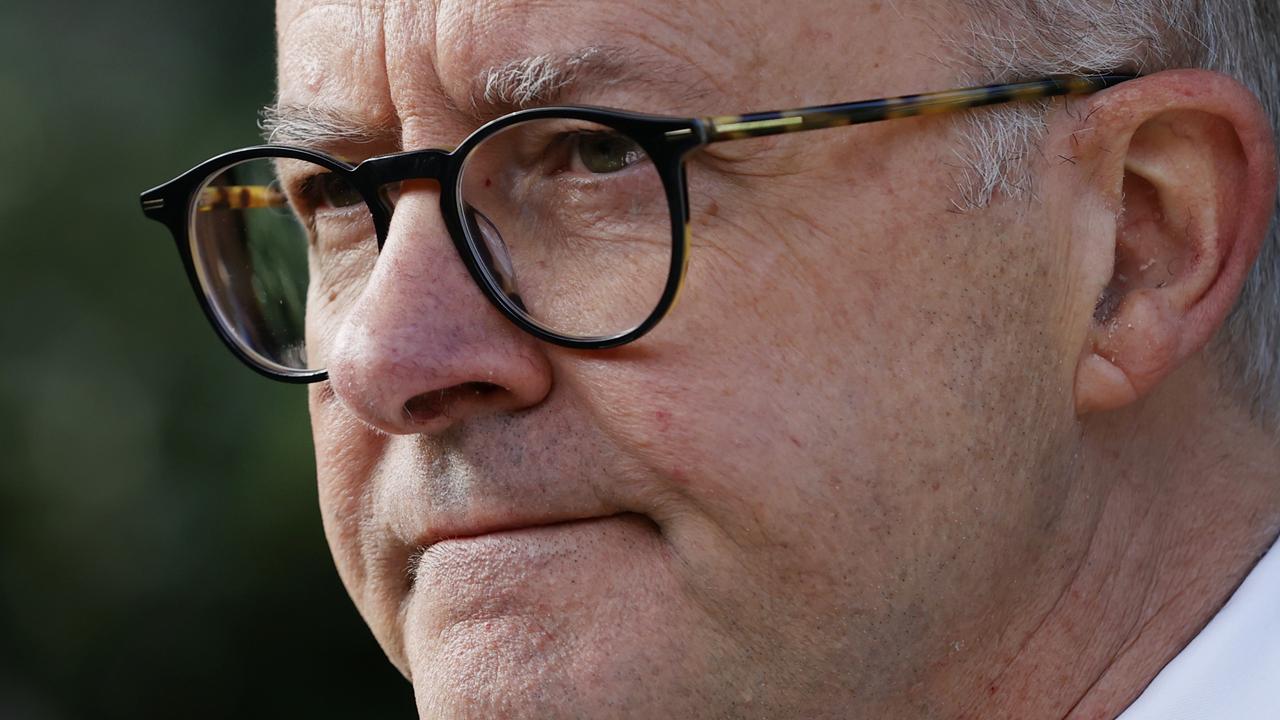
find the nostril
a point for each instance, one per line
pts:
(430, 406)
(479, 388)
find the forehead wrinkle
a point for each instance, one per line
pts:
(331, 76)
(709, 78)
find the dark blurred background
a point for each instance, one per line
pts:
(161, 553)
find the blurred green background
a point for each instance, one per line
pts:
(161, 553)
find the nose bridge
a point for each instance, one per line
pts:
(422, 349)
(430, 164)
(385, 174)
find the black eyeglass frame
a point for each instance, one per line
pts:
(666, 141)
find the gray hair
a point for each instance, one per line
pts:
(526, 81)
(1011, 39)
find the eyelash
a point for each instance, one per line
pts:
(567, 144)
(311, 190)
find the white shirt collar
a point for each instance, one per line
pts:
(1231, 670)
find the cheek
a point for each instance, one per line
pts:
(856, 407)
(336, 280)
(346, 454)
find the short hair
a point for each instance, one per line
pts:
(1012, 39)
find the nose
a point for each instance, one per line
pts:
(423, 349)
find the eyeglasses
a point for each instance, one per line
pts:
(573, 221)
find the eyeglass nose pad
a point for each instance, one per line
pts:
(493, 253)
(390, 194)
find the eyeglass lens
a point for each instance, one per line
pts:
(568, 219)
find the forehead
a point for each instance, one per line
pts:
(407, 62)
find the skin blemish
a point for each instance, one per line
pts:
(313, 74)
(664, 419)
(488, 182)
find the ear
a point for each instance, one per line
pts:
(1185, 164)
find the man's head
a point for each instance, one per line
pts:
(860, 467)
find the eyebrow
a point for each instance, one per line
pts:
(536, 79)
(321, 126)
(532, 81)
(548, 78)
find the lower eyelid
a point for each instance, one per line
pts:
(611, 182)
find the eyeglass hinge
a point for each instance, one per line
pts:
(697, 133)
(153, 204)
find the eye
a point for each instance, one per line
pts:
(605, 152)
(329, 191)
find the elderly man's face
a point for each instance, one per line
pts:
(836, 479)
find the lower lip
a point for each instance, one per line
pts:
(453, 569)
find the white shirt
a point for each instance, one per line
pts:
(1231, 670)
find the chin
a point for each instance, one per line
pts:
(581, 619)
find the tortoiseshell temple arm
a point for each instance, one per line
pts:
(736, 127)
(240, 197)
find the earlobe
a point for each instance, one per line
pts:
(1101, 385)
(1196, 175)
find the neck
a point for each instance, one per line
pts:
(1187, 509)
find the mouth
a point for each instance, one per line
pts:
(447, 541)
